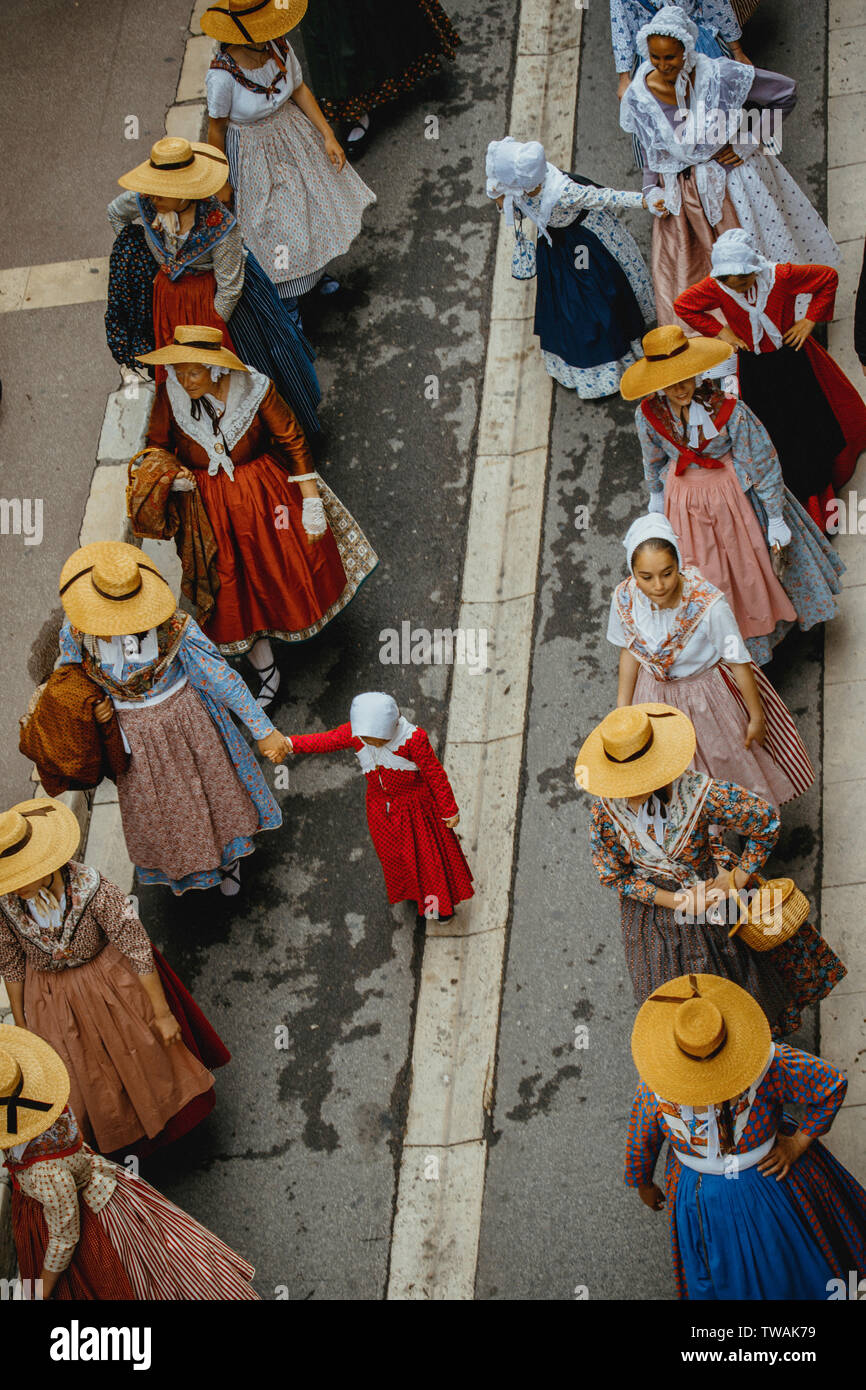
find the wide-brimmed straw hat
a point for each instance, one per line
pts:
(635, 750)
(669, 357)
(251, 21)
(196, 343)
(34, 1086)
(699, 1040)
(110, 588)
(36, 837)
(179, 169)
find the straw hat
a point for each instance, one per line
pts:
(196, 343)
(251, 21)
(669, 357)
(635, 750)
(32, 1073)
(36, 837)
(110, 588)
(700, 1040)
(179, 169)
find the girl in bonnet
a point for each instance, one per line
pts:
(594, 295)
(411, 810)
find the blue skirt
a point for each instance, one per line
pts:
(267, 338)
(585, 309)
(743, 1237)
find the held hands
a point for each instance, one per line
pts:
(168, 1029)
(784, 1154)
(334, 150)
(727, 335)
(652, 1196)
(103, 710)
(274, 747)
(798, 333)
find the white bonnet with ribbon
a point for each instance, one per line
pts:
(734, 253)
(374, 715)
(653, 526)
(673, 23)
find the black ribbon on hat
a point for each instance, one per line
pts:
(233, 15)
(16, 1102)
(28, 830)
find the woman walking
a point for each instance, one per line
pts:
(718, 35)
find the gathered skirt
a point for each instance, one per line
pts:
(720, 728)
(139, 1246)
(125, 1084)
(296, 211)
(184, 809)
(421, 858)
(764, 1239)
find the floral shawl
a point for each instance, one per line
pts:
(169, 636)
(224, 62)
(80, 882)
(213, 221)
(697, 597)
(64, 1137)
(688, 794)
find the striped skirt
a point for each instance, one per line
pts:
(266, 337)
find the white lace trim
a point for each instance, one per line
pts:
(370, 758)
(247, 390)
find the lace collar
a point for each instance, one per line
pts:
(370, 758)
(246, 392)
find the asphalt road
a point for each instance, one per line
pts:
(558, 1221)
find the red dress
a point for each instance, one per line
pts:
(406, 809)
(274, 579)
(829, 410)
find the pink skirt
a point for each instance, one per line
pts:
(720, 730)
(720, 535)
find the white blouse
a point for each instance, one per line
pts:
(716, 637)
(226, 97)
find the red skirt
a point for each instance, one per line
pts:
(95, 1273)
(422, 859)
(274, 580)
(847, 405)
(190, 299)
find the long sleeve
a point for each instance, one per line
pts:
(860, 314)
(582, 197)
(644, 1139)
(743, 811)
(209, 672)
(694, 305)
(122, 210)
(332, 741)
(611, 859)
(286, 432)
(13, 962)
(117, 918)
(719, 15)
(160, 430)
(51, 1183)
(772, 90)
(655, 460)
(753, 450)
(811, 1082)
(228, 269)
(821, 281)
(622, 34)
(433, 773)
(70, 647)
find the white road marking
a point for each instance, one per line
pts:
(47, 286)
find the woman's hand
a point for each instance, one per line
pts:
(651, 1196)
(798, 333)
(727, 335)
(784, 1154)
(334, 150)
(737, 53)
(727, 156)
(452, 821)
(756, 731)
(622, 85)
(274, 746)
(168, 1028)
(103, 710)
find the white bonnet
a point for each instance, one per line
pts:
(512, 167)
(653, 526)
(374, 715)
(674, 23)
(734, 253)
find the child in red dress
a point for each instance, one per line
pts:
(411, 809)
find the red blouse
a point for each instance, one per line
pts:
(694, 305)
(384, 782)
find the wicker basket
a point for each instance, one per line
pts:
(773, 916)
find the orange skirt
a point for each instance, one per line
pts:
(187, 300)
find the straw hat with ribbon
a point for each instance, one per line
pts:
(110, 588)
(179, 169)
(34, 1086)
(36, 837)
(700, 1040)
(251, 21)
(196, 343)
(669, 357)
(635, 750)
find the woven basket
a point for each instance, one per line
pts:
(773, 916)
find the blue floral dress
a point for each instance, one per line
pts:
(193, 796)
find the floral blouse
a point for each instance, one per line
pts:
(792, 1077)
(577, 198)
(726, 804)
(54, 1169)
(627, 16)
(96, 912)
(754, 458)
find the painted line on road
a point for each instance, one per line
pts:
(437, 1221)
(49, 286)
